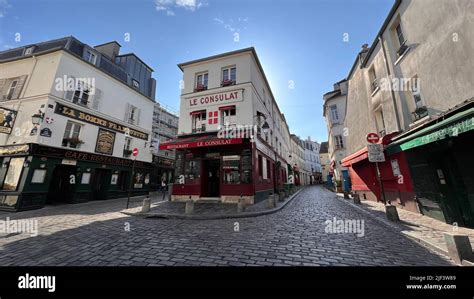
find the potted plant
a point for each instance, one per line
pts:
(227, 82)
(200, 87)
(73, 141)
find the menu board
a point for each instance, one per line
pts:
(179, 164)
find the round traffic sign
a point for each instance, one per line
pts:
(135, 152)
(373, 138)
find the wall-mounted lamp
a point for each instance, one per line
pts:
(37, 118)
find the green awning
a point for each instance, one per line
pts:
(453, 126)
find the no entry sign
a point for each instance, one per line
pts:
(135, 152)
(372, 138)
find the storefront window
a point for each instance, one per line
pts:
(231, 167)
(13, 174)
(246, 165)
(192, 171)
(179, 167)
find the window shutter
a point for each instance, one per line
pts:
(69, 93)
(2, 85)
(127, 112)
(137, 118)
(19, 87)
(97, 98)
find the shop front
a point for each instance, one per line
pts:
(34, 175)
(223, 169)
(439, 156)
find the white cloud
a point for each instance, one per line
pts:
(3, 7)
(168, 5)
(231, 25)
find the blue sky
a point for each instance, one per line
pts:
(301, 41)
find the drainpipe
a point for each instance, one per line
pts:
(390, 77)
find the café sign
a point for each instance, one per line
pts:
(216, 99)
(88, 118)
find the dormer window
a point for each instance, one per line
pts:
(90, 57)
(135, 84)
(29, 50)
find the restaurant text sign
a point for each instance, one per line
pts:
(88, 118)
(213, 142)
(218, 98)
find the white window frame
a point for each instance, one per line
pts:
(229, 73)
(338, 142)
(91, 56)
(83, 89)
(334, 114)
(226, 114)
(132, 115)
(197, 121)
(11, 89)
(71, 133)
(202, 81)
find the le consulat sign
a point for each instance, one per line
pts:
(216, 98)
(101, 122)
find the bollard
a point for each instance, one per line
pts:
(189, 209)
(459, 247)
(146, 204)
(392, 213)
(240, 205)
(281, 197)
(270, 201)
(356, 198)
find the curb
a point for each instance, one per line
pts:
(424, 243)
(219, 216)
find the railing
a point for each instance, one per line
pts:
(227, 82)
(420, 112)
(200, 87)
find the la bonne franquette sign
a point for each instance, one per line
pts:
(216, 99)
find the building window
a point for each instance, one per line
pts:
(71, 135)
(135, 84)
(228, 116)
(199, 122)
(91, 57)
(260, 166)
(264, 169)
(380, 121)
(15, 168)
(338, 142)
(401, 38)
(334, 115)
(420, 107)
(81, 94)
(12, 89)
(132, 115)
(127, 147)
(231, 167)
(374, 84)
(201, 81)
(269, 172)
(229, 76)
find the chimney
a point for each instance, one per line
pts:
(365, 47)
(111, 49)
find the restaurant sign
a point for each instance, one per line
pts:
(7, 119)
(193, 144)
(88, 118)
(105, 142)
(215, 99)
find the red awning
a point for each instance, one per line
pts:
(226, 107)
(198, 141)
(197, 112)
(355, 157)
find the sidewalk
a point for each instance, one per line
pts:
(205, 211)
(425, 230)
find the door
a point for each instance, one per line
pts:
(453, 191)
(101, 183)
(62, 185)
(211, 175)
(346, 181)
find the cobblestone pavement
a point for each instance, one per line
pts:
(97, 234)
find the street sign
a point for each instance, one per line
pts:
(373, 138)
(375, 152)
(135, 152)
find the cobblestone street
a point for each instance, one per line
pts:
(95, 234)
